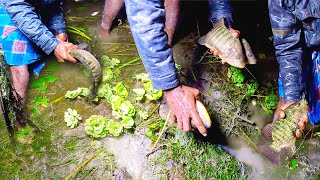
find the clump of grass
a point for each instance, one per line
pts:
(200, 160)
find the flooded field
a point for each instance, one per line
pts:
(55, 151)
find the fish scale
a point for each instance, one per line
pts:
(91, 63)
(282, 132)
(230, 48)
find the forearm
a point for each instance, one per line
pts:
(146, 20)
(220, 9)
(286, 34)
(23, 15)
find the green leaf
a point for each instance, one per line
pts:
(107, 74)
(293, 164)
(143, 114)
(127, 122)
(115, 128)
(39, 100)
(127, 109)
(121, 90)
(142, 77)
(271, 101)
(109, 62)
(71, 117)
(139, 92)
(96, 126)
(42, 83)
(151, 93)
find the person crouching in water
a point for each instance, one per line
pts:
(29, 29)
(296, 30)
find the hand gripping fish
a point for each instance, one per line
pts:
(91, 63)
(231, 50)
(281, 133)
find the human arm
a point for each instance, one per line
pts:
(23, 15)
(146, 20)
(288, 50)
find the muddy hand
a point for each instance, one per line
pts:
(62, 37)
(62, 52)
(280, 113)
(182, 103)
(235, 33)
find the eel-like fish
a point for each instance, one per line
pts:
(91, 63)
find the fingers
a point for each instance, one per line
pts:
(198, 122)
(298, 133)
(235, 33)
(186, 123)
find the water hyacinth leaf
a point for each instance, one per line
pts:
(127, 109)
(81, 91)
(127, 122)
(121, 90)
(143, 114)
(109, 62)
(144, 77)
(107, 74)
(115, 128)
(151, 93)
(96, 126)
(139, 92)
(105, 91)
(71, 117)
(116, 102)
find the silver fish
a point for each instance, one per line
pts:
(251, 59)
(230, 49)
(91, 63)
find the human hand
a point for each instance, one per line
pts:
(62, 52)
(235, 33)
(182, 103)
(62, 37)
(280, 113)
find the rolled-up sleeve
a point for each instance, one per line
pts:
(146, 18)
(220, 9)
(23, 15)
(288, 48)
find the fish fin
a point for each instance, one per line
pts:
(272, 155)
(267, 132)
(220, 22)
(82, 46)
(251, 59)
(202, 40)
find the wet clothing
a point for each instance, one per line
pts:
(17, 48)
(296, 29)
(39, 20)
(146, 18)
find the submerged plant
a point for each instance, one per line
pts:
(80, 92)
(96, 126)
(71, 117)
(42, 83)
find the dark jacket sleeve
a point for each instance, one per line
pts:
(220, 9)
(146, 18)
(287, 34)
(24, 16)
(56, 23)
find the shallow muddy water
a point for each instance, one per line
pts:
(56, 151)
